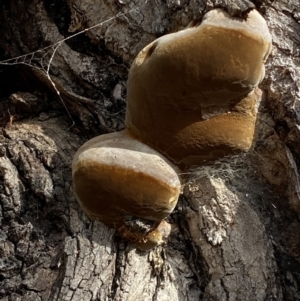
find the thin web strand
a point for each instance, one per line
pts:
(28, 58)
(15, 60)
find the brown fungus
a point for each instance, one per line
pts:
(192, 97)
(187, 91)
(126, 185)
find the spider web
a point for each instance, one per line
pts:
(44, 57)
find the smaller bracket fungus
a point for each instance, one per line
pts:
(185, 89)
(127, 185)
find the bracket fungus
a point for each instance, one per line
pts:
(192, 98)
(190, 93)
(125, 184)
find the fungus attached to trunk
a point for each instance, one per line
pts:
(192, 98)
(125, 184)
(184, 89)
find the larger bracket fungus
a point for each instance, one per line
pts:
(192, 98)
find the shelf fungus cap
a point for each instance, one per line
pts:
(125, 184)
(190, 83)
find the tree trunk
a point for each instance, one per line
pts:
(236, 228)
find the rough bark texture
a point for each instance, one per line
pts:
(236, 229)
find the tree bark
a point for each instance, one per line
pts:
(236, 228)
